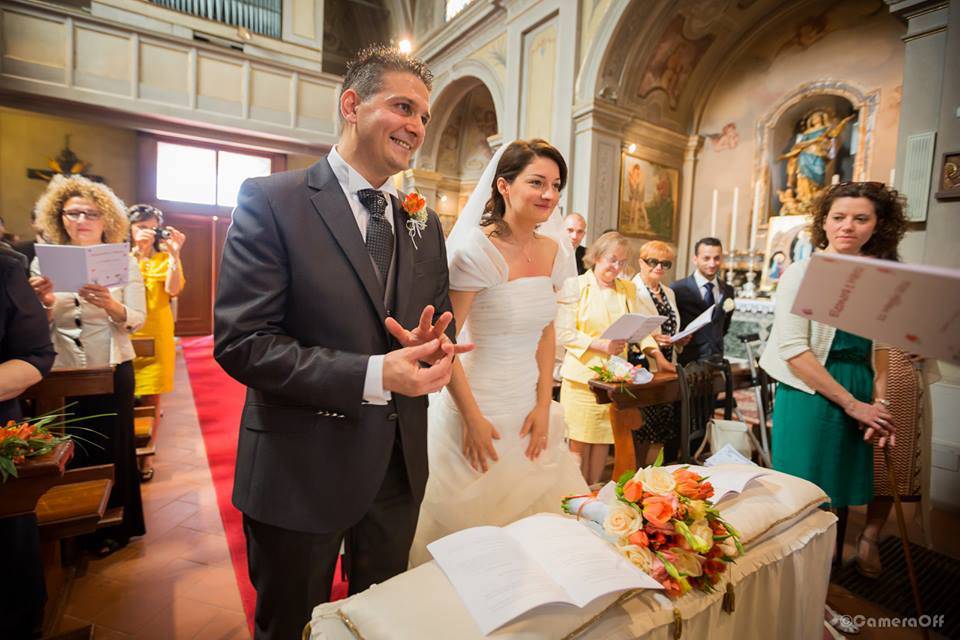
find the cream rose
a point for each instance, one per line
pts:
(656, 480)
(686, 562)
(697, 509)
(621, 521)
(729, 305)
(640, 557)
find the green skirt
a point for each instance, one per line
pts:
(814, 439)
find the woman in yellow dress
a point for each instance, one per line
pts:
(158, 255)
(604, 297)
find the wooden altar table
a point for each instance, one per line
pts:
(627, 400)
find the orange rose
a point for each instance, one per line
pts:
(658, 509)
(632, 491)
(688, 483)
(414, 203)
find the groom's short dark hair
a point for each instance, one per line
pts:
(365, 70)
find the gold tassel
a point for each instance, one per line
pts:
(677, 624)
(729, 599)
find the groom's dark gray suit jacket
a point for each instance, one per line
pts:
(299, 309)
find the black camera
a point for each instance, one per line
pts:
(162, 234)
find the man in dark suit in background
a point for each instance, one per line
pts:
(576, 227)
(319, 276)
(696, 293)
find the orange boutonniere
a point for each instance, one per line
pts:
(415, 206)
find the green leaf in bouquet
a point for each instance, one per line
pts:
(624, 477)
(659, 461)
(7, 468)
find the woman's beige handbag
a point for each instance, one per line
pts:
(733, 432)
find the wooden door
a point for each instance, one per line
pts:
(195, 304)
(205, 227)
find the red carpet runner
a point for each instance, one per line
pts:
(219, 401)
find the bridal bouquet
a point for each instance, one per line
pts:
(664, 522)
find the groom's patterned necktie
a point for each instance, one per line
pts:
(379, 234)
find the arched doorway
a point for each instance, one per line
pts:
(458, 145)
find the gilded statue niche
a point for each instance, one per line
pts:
(817, 131)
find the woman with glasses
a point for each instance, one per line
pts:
(660, 423)
(91, 327)
(159, 260)
(604, 297)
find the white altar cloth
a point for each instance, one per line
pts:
(779, 586)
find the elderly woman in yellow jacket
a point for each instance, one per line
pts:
(604, 297)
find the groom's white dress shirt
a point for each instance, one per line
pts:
(351, 182)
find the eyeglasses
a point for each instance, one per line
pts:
(653, 262)
(74, 215)
(615, 263)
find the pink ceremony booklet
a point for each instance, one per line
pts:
(911, 306)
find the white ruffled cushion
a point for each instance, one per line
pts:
(422, 603)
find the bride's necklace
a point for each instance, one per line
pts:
(523, 248)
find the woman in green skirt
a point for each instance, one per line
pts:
(830, 406)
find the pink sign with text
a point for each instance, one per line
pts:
(914, 307)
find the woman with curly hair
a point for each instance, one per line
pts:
(91, 327)
(831, 401)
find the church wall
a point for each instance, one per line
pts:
(28, 140)
(856, 43)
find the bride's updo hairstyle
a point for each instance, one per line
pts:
(514, 160)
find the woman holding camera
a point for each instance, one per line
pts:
(157, 250)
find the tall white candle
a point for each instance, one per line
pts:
(756, 216)
(893, 174)
(733, 220)
(713, 216)
(836, 179)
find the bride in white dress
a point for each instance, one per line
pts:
(495, 436)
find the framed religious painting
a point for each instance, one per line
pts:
(649, 199)
(788, 241)
(949, 187)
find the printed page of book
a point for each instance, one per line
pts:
(494, 576)
(71, 267)
(696, 324)
(914, 307)
(633, 327)
(580, 562)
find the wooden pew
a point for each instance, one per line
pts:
(73, 502)
(144, 416)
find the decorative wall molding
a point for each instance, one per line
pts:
(66, 55)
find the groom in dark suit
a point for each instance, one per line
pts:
(695, 294)
(320, 274)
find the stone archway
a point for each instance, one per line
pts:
(459, 142)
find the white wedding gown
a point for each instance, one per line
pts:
(505, 322)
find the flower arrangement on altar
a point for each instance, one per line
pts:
(663, 521)
(616, 370)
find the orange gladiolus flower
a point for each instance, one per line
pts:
(639, 538)
(705, 491)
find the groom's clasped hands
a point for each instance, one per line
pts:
(425, 361)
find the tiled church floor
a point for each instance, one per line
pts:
(177, 581)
